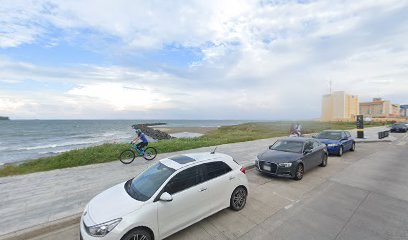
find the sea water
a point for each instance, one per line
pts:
(30, 139)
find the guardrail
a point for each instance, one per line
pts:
(383, 134)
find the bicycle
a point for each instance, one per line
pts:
(129, 155)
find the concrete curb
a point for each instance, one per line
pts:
(373, 141)
(41, 229)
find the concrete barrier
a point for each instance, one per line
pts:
(383, 134)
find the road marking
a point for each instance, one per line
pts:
(288, 206)
(401, 143)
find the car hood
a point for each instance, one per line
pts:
(112, 203)
(279, 156)
(329, 141)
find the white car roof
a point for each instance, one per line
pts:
(179, 161)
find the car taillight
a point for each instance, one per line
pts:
(243, 170)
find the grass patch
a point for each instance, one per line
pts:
(229, 134)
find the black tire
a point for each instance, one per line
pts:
(353, 147)
(150, 153)
(138, 234)
(300, 170)
(341, 151)
(127, 156)
(238, 198)
(324, 161)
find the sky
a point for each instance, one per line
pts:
(197, 59)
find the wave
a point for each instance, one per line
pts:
(66, 144)
(55, 152)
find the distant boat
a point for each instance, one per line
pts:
(4, 118)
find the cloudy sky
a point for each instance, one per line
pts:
(197, 59)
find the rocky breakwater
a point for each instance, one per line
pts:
(153, 133)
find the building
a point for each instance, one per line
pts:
(380, 108)
(339, 106)
(404, 110)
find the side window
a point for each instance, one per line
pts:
(308, 146)
(343, 135)
(348, 134)
(184, 179)
(316, 144)
(216, 169)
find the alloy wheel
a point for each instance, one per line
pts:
(299, 172)
(341, 151)
(238, 198)
(138, 237)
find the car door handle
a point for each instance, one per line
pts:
(230, 178)
(202, 189)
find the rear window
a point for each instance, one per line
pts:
(216, 169)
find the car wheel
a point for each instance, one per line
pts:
(340, 153)
(324, 161)
(138, 234)
(353, 147)
(238, 198)
(300, 170)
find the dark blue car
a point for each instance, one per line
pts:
(337, 141)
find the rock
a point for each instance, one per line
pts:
(153, 133)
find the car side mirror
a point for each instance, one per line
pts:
(314, 136)
(166, 197)
(270, 147)
(307, 151)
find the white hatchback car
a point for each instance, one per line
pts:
(170, 195)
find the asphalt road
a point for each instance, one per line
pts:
(362, 195)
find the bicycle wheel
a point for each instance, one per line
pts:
(150, 153)
(127, 156)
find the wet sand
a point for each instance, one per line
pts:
(170, 130)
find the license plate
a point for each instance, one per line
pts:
(267, 168)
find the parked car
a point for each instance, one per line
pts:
(291, 157)
(337, 141)
(167, 197)
(399, 127)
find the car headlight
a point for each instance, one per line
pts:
(102, 229)
(285, 164)
(332, 145)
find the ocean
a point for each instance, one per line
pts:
(22, 140)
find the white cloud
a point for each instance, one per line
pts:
(266, 59)
(121, 97)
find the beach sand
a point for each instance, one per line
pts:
(170, 130)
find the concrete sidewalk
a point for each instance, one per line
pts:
(40, 198)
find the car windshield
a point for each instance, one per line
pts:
(146, 184)
(330, 135)
(287, 146)
(400, 125)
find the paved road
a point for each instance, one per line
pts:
(362, 195)
(39, 198)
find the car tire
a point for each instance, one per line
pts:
(353, 147)
(138, 233)
(300, 170)
(341, 151)
(238, 198)
(324, 161)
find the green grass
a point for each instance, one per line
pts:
(110, 152)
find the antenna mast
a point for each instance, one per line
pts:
(330, 86)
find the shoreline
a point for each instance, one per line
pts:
(171, 130)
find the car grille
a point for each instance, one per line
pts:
(274, 167)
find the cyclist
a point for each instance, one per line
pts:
(140, 135)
